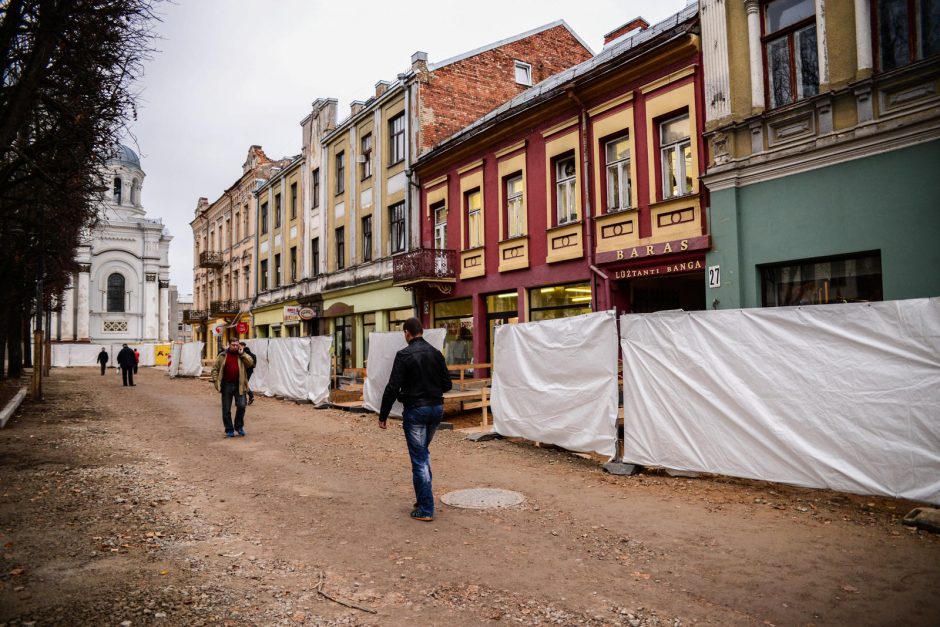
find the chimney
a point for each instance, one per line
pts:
(355, 107)
(201, 205)
(381, 87)
(419, 61)
(630, 28)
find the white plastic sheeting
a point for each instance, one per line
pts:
(297, 368)
(72, 355)
(175, 352)
(555, 381)
(845, 397)
(382, 349)
(188, 363)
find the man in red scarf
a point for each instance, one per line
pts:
(230, 377)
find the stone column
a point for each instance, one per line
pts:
(164, 311)
(822, 45)
(754, 49)
(863, 51)
(151, 307)
(83, 304)
(68, 313)
(715, 59)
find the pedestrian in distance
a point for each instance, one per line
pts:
(250, 371)
(136, 360)
(419, 379)
(229, 374)
(126, 361)
(103, 360)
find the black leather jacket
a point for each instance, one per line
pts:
(419, 378)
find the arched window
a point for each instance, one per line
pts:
(117, 190)
(116, 292)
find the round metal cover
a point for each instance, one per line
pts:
(482, 498)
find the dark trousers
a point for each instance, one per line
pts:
(420, 424)
(230, 393)
(127, 374)
(103, 366)
(135, 368)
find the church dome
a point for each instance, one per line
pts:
(125, 156)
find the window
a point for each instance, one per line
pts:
(514, 195)
(293, 264)
(277, 270)
(523, 73)
(676, 150)
(559, 301)
(236, 224)
(457, 317)
(907, 31)
(315, 256)
(473, 202)
(617, 154)
(396, 144)
(246, 274)
(340, 248)
(277, 211)
(235, 285)
(367, 238)
(315, 188)
(245, 213)
(264, 275)
(565, 206)
(440, 225)
(790, 51)
(293, 201)
(116, 292)
(117, 191)
(340, 172)
(228, 232)
(366, 151)
(849, 279)
(397, 231)
(264, 218)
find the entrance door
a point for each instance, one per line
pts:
(500, 309)
(343, 342)
(683, 291)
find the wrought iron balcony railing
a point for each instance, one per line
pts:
(424, 264)
(210, 260)
(195, 315)
(223, 307)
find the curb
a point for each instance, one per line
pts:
(11, 407)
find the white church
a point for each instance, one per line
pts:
(121, 290)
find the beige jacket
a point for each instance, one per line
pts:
(244, 362)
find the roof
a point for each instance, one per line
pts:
(555, 85)
(125, 156)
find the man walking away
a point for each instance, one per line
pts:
(103, 360)
(125, 359)
(419, 379)
(231, 380)
(136, 360)
(249, 371)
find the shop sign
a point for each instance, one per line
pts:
(655, 249)
(291, 313)
(307, 313)
(218, 329)
(672, 268)
(242, 328)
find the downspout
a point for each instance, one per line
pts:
(586, 196)
(409, 225)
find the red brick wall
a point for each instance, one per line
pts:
(453, 96)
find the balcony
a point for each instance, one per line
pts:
(425, 265)
(224, 307)
(210, 260)
(191, 316)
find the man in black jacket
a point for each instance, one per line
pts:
(419, 379)
(126, 361)
(103, 359)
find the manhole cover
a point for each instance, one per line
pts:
(482, 498)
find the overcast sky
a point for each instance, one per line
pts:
(232, 73)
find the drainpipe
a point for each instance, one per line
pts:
(586, 196)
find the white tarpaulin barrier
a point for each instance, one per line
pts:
(175, 352)
(147, 354)
(297, 367)
(555, 381)
(382, 349)
(845, 397)
(190, 360)
(72, 355)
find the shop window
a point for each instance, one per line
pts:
(457, 317)
(617, 159)
(264, 275)
(343, 342)
(675, 149)
(906, 31)
(340, 172)
(474, 205)
(396, 135)
(367, 238)
(293, 201)
(396, 317)
(565, 189)
(340, 248)
(397, 230)
(849, 279)
(264, 218)
(315, 188)
(440, 225)
(514, 190)
(365, 150)
(293, 330)
(116, 296)
(368, 328)
(790, 52)
(500, 309)
(559, 301)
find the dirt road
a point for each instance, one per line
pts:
(126, 506)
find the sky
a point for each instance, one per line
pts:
(231, 73)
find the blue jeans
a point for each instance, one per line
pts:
(420, 424)
(230, 393)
